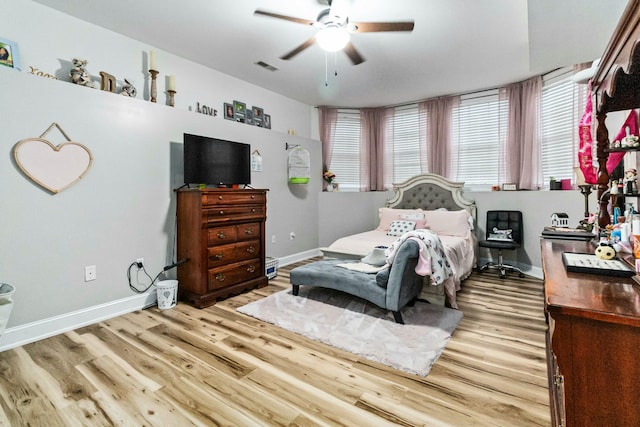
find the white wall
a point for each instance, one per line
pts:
(124, 208)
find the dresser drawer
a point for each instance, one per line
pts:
(225, 254)
(235, 198)
(248, 231)
(227, 213)
(234, 273)
(233, 233)
(222, 235)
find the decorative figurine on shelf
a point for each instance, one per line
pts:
(559, 219)
(587, 223)
(614, 187)
(630, 182)
(79, 74)
(630, 141)
(128, 89)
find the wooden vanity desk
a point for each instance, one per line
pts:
(593, 342)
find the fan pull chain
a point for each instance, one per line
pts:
(326, 67)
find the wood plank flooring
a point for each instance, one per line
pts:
(186, 366)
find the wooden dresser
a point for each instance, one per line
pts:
(593, 343)
(222, 233)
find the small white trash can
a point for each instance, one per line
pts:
(6, 304)
(167, 294)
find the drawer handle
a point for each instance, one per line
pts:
(221, 212)
(220, 277)
(219, 197)
(251, 268)
(253, 197)
(221, 235)
(251, 250)
(248, 232)
(253, 210)
(218, 256)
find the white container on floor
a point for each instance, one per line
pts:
(167, 294)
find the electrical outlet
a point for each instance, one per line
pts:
(90, 273)
(273, 239)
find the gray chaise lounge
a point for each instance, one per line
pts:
(391, 289)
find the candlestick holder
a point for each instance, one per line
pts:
(154, 90)
(585, 189)
(172, 94)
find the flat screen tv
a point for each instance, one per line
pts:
(214, 161)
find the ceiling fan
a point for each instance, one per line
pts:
(334, 30)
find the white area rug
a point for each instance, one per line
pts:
(357, 326)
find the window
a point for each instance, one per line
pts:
(478, 129)
(345, 156)
(563, 103)
(479, 124)
(404, 143)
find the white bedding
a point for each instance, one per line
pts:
(460, 251)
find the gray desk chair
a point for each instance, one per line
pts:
(504, 232)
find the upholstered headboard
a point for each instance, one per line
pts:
(430, 191)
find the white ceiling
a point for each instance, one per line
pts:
(456, 46)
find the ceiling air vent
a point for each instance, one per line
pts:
(267, 66)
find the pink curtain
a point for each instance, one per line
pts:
(438, 133)
(373, 134)
(328, 118)
(521, 152)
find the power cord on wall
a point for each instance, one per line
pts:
(140, 268)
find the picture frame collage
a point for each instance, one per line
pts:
(254, 116)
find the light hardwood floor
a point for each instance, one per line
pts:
(214, 366)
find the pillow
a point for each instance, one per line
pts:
(398, 228)
(449, 223)
(388, 215)
(417, 217)
(501, 235)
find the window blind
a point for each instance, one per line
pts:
(345, 157)
(478, 124)
(405, 143)
(562, 107)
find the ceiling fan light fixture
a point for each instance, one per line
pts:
(332, 39)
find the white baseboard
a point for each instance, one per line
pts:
(300, 256)
(35, 331)
(41, 329)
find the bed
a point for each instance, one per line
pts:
(432, 202)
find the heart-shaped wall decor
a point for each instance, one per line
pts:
(53, 167)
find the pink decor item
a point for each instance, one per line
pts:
(585, 156)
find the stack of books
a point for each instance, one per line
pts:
(567, 233)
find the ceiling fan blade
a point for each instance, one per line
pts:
(285, 17)
(373, 27)
(299, 49)
(353, 54)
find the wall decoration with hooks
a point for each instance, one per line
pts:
(53, 167)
